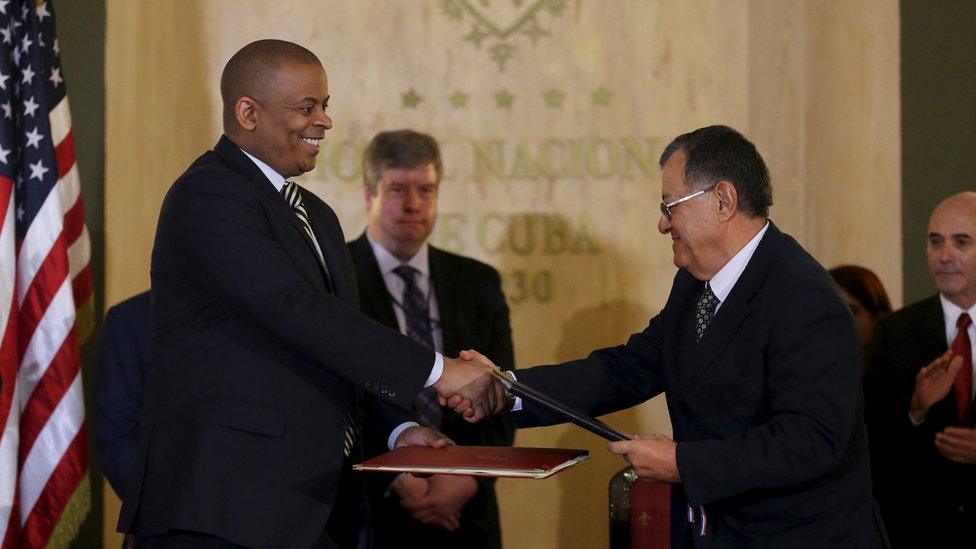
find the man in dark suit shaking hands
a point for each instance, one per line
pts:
(259, 354)
(444, 301)
(759, 358)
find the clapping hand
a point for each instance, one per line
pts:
(932, 383)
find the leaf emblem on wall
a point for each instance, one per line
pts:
(499, 26)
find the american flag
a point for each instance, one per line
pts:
(45, 290)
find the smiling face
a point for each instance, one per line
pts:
(290, 120)
(952, 249)
(403, 208)
(693, 225)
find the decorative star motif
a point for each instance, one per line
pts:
(3, 80)
(601, 96)
(28, 75)
(3, 154)
(3, 6)
(553, 98)
(476, 36)
(504, 99)
(56, 76)
(38, 170)
(411, 99)
(501, 53)
(459, 99)
(534, 31)
(7, 33)
(42, 12)
(34, 138)
(26, 44)
(8, 110)
(30, 106)
(20, 213)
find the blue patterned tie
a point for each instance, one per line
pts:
(417, 315)
(704, 311)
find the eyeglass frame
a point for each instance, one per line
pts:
(666, 206)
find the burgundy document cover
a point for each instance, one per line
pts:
(491, 461)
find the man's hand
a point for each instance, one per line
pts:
(653, 457)
(422, 436)
(440, 505)
(957, 444)
(932, 384)
(470, 389)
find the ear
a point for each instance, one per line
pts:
(368, 196)
(245, 111)
(728, 199)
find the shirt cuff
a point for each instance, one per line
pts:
(436, 371)
(391, 442)
(517, 406)
(915, 423)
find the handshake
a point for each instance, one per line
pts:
(470, 387)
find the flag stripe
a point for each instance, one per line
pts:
(54, 384)
(50, 446)
(60, 118)
(36, 300)
(65, 479)
(48, 339)
(42, 233)
(64, 154)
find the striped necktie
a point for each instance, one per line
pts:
(293, 197)
(290, 190)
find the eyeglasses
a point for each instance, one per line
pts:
(666, 206)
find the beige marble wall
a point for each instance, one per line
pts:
(551, 161)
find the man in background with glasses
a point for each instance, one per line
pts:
(760, 361)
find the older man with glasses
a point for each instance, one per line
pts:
(760, 361)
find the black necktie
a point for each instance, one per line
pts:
(416, 311)
(704, 311)
(293, 197)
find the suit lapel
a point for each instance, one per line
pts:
(447, 302)
(296, 241)
(376, 299)
(734, 310)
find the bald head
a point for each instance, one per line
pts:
(952, 248)
(252, 72)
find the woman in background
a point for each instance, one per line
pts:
(865, 294)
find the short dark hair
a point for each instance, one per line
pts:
(717, 153)
(865, 286)
(253, 70)
(399, 149)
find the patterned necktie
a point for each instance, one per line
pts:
(704, 311)
(416, 312)
(963, 386)
(293, 197)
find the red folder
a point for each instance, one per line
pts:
(488, 461)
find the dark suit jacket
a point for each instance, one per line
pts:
(927, 500)
(473, 315)
(254, 363)
(119, 380)
(766, 409)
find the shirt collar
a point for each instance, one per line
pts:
(951, 312)
(387, 261)
(725, 279)
(274, 177)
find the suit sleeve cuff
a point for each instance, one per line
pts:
(391, 442)
(436, 371)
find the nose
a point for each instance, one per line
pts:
(323, 121)
(664, 224)
(412, 200)
(946, 254)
